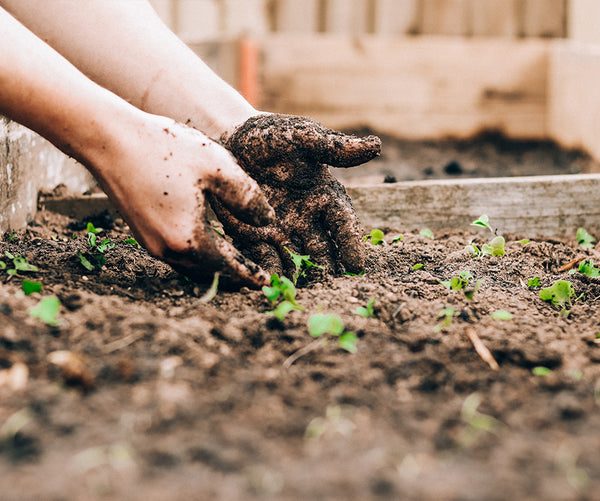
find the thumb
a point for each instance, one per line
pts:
(240, 193)
(343, 150)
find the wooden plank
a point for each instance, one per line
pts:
(544, 18)
(349, 17)
(574, 96)
(446, 17)
(530, 206)
(584, 20)
(495, 17)
(292, 16)
(410, 87)
(396, 17)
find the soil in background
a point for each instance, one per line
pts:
(143, 391)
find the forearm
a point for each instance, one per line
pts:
(125, 47)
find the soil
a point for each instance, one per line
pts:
(165, 396)
(146, 391)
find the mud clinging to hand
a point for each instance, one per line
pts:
(289, 156)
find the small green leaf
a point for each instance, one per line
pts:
(21, 264)
(376, 237)
(92, 229)
(525, 241)
(9, 255)
(587, 268)
(283, 309)
(91, 238)
(348, 341)
(84, 261)
(302, 263)
(320, 324)
(2, 265)
(398, 238)
(30, 287)
(368, 311)
(584, 239)
(132, 241)
(473, 250)
(350, 274)
(11, 237)
(501, 315)
(497, 246)
(541, 371)
(417, 266)
(426, 233)
(447, 314)
(534, 282)
(559, 294)
(47, 310)
(483, 222)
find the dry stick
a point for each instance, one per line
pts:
(302, 351)
(482, 350)
(570, 264)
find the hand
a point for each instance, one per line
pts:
(159, 178)
(288, 156)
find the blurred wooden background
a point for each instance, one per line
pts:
(211, 19)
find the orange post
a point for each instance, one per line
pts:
(248, 71)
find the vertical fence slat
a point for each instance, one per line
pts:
(293, 16)
(446, 17)
(544, 18)
(396, 17)
(495, 17)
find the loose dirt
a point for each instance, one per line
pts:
(163, 396)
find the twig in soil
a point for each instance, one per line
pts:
(570, 264)
(210, 294)
(317, 343)
(119, 344)
(482, 350)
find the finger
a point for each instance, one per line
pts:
(320, 248)
(342, 150)
(240, 193)
(345, 229)
(266, 256)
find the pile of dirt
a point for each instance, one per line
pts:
(145, 391)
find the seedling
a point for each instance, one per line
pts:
(350, 274)
(13, 235)
(494, 248)
(19, 263)
(132, 241)
(332, 324)
(462, 283)
(398, 238)
(426, 233)
(92, 229)
(447, 314)
(368, 311)
(587, 268)
(281, 288)
(541, 371)
(483, 222)
(30, 287)
(47, 310)
(534, 282)
(501, 315)
(376, 237)
(584, 239)
(417, 266)
(302, 264)
(560, 295)
(98, 249)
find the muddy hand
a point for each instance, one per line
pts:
(288, 156)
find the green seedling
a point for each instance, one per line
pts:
(473, 250)
(350, 274)
(587, 268)
(584, 239)
(462, 283)
(398, 238)
(501, 315)
(2, 265)
(426, 233)
(376, 237)
(47, 310)
(30, 287)
(19, 263)
(92, 229)
(541, 371)
(366, 312)
(483, 222)
(534, 282)
(560, 294)
(13, 235)
(211, 293)
(494, 248)
(132, 241)
(281, 289)
(302, 264)
(447, 314)
(98, 249)
(320, 324)
(476, 422)
(525, 241)
(417, 266)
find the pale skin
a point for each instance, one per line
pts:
(109, 84)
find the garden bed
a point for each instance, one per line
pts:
(170, 397)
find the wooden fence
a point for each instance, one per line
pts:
(195, 20)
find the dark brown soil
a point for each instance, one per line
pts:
(166, 397)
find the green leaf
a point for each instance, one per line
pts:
(105, 245)
(525, 241)
(417, 266)
(320, 324)
(350, 274)
(559, 294)
(92, 229)
(91, 238)
(302, 263)
(84, 261)
(584, 239)
(398, 238)
(348, 341)
(368, 311)
(376, 237)
(11, 237)
(447, 314)
(534, 282)
(587, 268)
(9, 255)
(426, 233)
(483, 222)
(501, 315)
(473, 250)
(469, 293)
(132, 241)
(2, 265)
(21, 264)
(30, 287)
(497, 245)
(541, 371)
(47, 310)
(283, 309)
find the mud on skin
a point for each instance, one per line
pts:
(289, 156)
